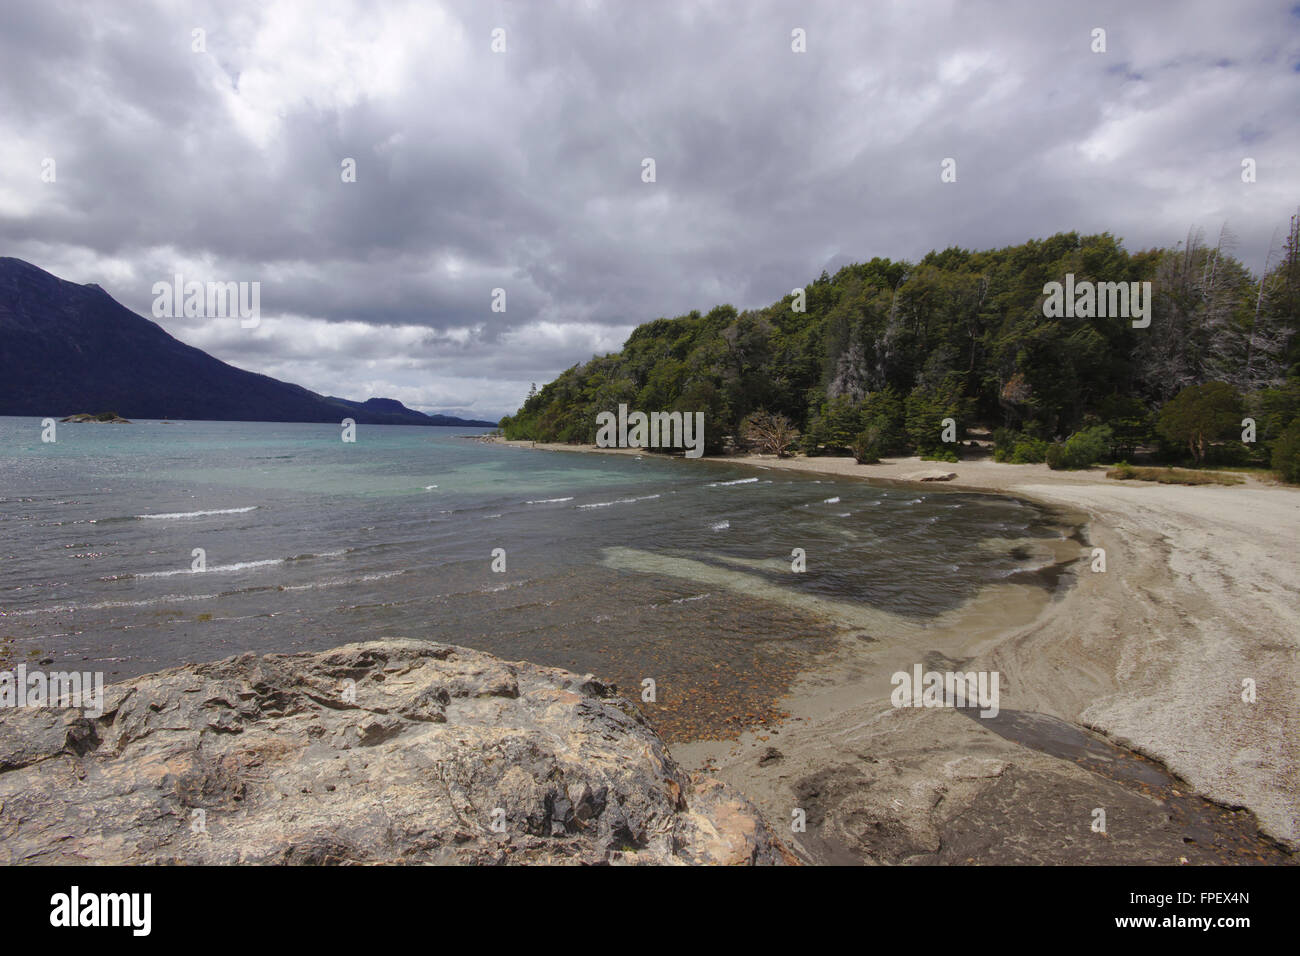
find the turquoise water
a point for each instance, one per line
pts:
(311, 542)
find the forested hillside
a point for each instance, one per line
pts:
(885, 350)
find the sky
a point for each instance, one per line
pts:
(503, 146)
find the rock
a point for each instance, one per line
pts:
(394, 751)
(974, 768)
(930, 476)
(105, 418)
(770, 755)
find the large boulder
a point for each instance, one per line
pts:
(394, 751)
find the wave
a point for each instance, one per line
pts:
(196, 514)
(219, 569)
(239, 566)
(620, 501)
(180, 598)
(335, 582)
(831, 501)
(720, 526)
(548, 501)
(105, 605)
(508, 586)
(324, 554)
(738, 481)
(681, 600)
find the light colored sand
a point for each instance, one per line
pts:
(1201, 592)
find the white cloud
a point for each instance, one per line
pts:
(522, 170)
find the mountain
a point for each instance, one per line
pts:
(401, 415)
(68, 348)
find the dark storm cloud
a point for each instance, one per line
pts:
(522, 170)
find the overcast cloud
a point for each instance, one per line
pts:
(522, 169)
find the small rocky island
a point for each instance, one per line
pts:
(394, 751)
(103, 418)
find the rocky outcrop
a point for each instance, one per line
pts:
(106, 418)
(393, 751)
(930, 476)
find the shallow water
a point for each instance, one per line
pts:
(311, 542)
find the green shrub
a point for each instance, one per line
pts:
(1004, 441)
(1200, 414)
(867, 446)
(1029, 451)
(1274, 409)
(1018, 448)
(1286, 453)
(941, 454)
(1080, 450)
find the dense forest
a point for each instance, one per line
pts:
(884, 351)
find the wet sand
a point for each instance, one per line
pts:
(1147, 660)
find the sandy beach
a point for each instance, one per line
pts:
(1201, 593)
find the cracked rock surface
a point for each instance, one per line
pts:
(393, 751)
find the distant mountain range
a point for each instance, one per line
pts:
(68, 348)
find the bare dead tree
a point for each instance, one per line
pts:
(1259, 300)
(769, 433)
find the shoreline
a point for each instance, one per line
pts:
(1199, 594)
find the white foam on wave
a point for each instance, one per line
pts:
(548, 501)
(323, 554)
(335, 582)
(104, 605)
(200, 514)
(226, 568)
(738, 481)
(620, 501)
(720, 526)
(510, 586)
(831, 501)
(681, 600)
(180, 598)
